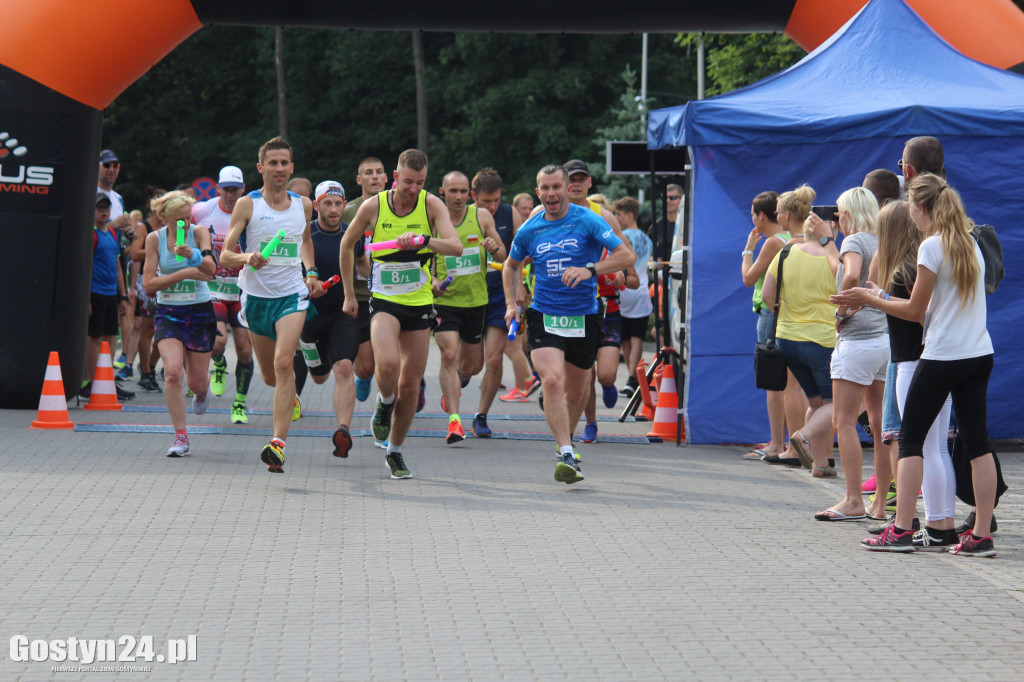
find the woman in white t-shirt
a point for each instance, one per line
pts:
(949, 299)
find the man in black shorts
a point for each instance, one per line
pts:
(331, 340)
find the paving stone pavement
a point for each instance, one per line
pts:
(665, 563)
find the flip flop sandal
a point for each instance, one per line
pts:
(756, 454)
(824, 472)
(833, 514)
(788, 461)
(803, 449)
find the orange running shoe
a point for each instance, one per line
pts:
(514, 396)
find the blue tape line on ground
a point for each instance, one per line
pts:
(261, 411)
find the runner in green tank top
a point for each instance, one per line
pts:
(401, 306)
(462, 305)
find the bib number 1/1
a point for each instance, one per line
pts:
(568, 326)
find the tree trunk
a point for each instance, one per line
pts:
(282, 108)
(422, 122)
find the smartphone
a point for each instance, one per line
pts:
(826, 213)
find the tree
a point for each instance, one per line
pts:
(735, 60)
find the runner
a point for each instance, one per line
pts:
(185, 321)
(565, 242)
(216, 215)
(275, 298)
(463, 305)
(402, 306)
(145, 304)
(332, 339)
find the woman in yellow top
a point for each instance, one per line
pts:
(806, 331)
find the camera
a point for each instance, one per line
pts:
(826, 213)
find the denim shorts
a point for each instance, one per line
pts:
(891, 420)
(810, 364)
(765, 317)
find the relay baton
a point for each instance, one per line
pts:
(270, 247)
(447, 280)
(513, 328)
(393, 244)
(330, 282)
(496, 266)
(181, 236)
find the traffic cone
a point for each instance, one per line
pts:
(668, 407)
(53, 407)
(647, 412)
(104, 394)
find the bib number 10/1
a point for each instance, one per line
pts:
(568, 326)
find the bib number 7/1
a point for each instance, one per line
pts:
(568, 326)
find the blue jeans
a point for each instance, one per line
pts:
(810, 363)
(891, 421)
(765, 317)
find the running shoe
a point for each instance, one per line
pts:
(381, 424)
(589, 433)
(568, 469)
(610, 396)
(890, 497)
(199, 404)
(972, 546)
(273, 456)
(180, 447)
(238, 415)
(396, 465)
(868, 486)
(296, 409)
(480, 427)
(931, 540)
(122, 394)
(968, 524)
(362, 389)
(891, 541)
(219, 372)
(444, 403)
(875, 530)
(421, 402)
(120, 362)
(125, 373)
(455, 432)
(342, 441)
(147, 382)
(189, 393)
(85, 390)
(514, 396)
(533, 385)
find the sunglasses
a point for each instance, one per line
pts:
(112, 164)
(673, 197)
(900, 164)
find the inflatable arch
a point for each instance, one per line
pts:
(58, 73)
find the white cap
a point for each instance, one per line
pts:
(329, 187)
(231, 176)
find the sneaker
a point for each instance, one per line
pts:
(120, 362)
(589, 433)
(890, 497)
(968, 524)
(381, 424)
(514, 396)
(219, 372)
(931, 540)
(455, 432)
(610, 396)
(342, 441)
(533, 385)
(875, 530)
(362, 389)
(86, 390)
(296, 409)
(568, 469)
(891, 541)
(238, 415)
(972, 546)
(868, 486)
(199, 404)
(125, 373)
(626, 391)
(396, 465)
(147, 382)
(180, 447)
(122, 394)
(480, 427)
(189, 393)
(421, 402)
(273, 456)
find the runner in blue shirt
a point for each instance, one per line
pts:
(565, 244)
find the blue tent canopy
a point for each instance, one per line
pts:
(845, 109)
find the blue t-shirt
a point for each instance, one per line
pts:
(555, 245)
(104, 264)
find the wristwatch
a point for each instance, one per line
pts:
(825, 240)
(592, 268)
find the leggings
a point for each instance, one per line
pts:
(967, 380)
(939, 482)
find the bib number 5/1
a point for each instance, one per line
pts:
(568, 326)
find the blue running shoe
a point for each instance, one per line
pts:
(480, 427)
(362, 389)
(589, 433)
(610, 395)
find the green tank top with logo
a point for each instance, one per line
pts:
(401, 276)
(758, 303)
(469, 271)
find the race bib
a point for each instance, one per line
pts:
(400, 278)
(286, 253)
(310, 354)
(569, 326)
(466, 264)
(225, 289)
(185, 290)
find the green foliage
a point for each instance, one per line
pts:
(736, 60)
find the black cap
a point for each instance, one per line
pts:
(102, 198)
(576, 166)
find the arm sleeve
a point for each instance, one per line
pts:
(930, 254)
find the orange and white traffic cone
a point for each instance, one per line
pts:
(103, 395)
(668, 407)
(53, 407)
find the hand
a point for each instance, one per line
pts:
(435, 286)
(351, 307)
(183, 250)
(618, 279)
(511, 314)
(197, 274)
(752, 239)
(819, 228)
(316, 290)
(255, 260)
(521, 296)
(573, 276)
(405, 241)
(857, 297)
(122, 307)
(491, 245)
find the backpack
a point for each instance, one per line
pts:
(992, 252)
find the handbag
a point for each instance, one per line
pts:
(769, 365)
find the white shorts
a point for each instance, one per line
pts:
(862, 361)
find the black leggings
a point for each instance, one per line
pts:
(967, 380)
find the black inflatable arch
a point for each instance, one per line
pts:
(58, 73)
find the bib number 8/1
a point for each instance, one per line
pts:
(567, 326)
(400, 278)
